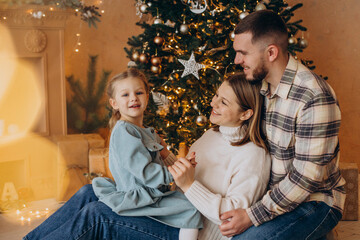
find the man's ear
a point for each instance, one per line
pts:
(272, 52)
(246, 115)
(113, 103)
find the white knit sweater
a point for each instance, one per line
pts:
(227, 177)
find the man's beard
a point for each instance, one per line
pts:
(259, 73)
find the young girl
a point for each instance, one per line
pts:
(137, 162)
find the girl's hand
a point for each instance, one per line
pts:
(183, 173)
(191, 159)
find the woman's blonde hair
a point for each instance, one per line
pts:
(129, 73)
(248, 97)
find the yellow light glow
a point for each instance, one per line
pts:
(4, 18)
(21, 104)
(76, 50)
(51, 9)
(102, 11)
(7, 60)
(20, 95)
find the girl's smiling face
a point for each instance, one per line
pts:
(131, 99)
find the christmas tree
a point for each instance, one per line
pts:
(186, 50)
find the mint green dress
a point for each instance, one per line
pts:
(142, 181)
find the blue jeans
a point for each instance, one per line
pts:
(84, 217)
(310, 220)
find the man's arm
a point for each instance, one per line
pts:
(316, 150)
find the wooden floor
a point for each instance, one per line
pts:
(13, 228)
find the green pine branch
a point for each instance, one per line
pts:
(85, 107)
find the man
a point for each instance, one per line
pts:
(306, 192)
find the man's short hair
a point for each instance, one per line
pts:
(265, 26)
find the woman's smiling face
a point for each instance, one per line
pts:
(226, 110)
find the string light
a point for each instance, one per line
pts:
(78, 43)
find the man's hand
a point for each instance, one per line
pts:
(234, 222)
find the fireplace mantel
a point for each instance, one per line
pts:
(37, 32)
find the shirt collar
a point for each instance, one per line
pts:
(286, 81)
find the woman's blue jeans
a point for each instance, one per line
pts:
(310, 221)
(84, 217)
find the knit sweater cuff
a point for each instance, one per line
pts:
(196, 193)
(170, 159)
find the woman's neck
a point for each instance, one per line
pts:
(231, 134)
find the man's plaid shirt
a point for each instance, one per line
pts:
(302, 122)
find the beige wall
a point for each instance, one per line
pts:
(334, 40)
(333, 36)
(108, 40)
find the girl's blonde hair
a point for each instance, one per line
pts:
(248, 97)
(129, 73)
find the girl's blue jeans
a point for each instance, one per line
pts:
(84, 217)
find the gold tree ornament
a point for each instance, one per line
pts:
(303, 43)
(260, 6)
(155, 61)
(184, 29)
(143, 8)
(143, 58)
(135, 56)
(292, 40)
(201, 120)
(159, 40)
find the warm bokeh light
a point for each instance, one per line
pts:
(21, 98)
(7, 60)
(21, 103)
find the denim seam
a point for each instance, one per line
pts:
(307, 213)
(124, 225)
(318, 225)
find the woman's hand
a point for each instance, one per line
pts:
(183, 173)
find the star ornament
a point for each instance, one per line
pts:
(191, 66)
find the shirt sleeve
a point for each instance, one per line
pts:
(247, 184)
(132, 155)
(316, 145)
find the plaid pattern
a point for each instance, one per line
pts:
(302, 122)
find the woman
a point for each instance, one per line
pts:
(232, 172)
